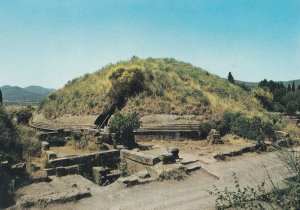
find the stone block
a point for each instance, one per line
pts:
(139, 157)
(104, 158)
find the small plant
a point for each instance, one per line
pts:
(261, 197)
(122, 167)
(79, 140)
(242, 198)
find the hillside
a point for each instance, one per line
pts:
(39, 90)
(170, 87)
(29, 94)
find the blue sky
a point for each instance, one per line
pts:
(50, 42)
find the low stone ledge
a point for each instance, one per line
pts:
(140, 157)
(103, 158)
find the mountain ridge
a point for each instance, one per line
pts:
(27, 94)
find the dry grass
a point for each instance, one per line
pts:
(172, 87)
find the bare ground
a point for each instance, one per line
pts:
(190, 193)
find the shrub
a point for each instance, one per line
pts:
(125, 83)
(123, 126)
(291, 108)
(246, 127)
(224, 126)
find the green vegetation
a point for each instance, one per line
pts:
(123, 126)
(17, 142)
(151, 86)
(246, 126)
(282, 99)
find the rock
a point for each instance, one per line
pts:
(167, 158)
(192, 168)
(129, 180)
(51, 155)
(45, 145)
(174, 151)
(214, 137)
(281, 135)
(143, 174)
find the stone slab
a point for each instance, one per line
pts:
(140, 157)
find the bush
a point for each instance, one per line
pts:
(123, 126)
(125, 83)
(291, 108)
(246, 127)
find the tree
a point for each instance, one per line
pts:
(1, 99)
(289, 89)
(230, 78)
(298, 87)
(293, 87)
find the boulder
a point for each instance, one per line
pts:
(214, 137)
(174, 151)
(167, 158)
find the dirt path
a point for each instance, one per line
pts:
(190, 193)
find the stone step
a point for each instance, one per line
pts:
(192, 167)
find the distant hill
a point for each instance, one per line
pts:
(39, 90)
(254, 84)
(19, 95)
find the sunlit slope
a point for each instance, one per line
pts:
(171, 87)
